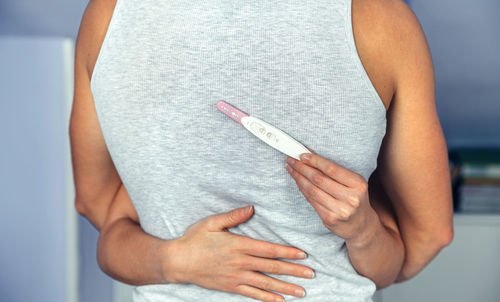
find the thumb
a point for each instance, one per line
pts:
(230, 219)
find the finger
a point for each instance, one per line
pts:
(332, 169)
(341, 213)
(328, 207)
(320, 179)
(267, 283)
(279, 267)
(258, 294)
(329, 218)
(229, 219)
(310, 190)
(266, 249)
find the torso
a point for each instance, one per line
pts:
(292, 63)
(369, 41)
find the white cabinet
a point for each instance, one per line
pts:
(38, 225)
(467, 270)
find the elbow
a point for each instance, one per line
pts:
(440, 239)
(85, 206)
(88, 210)
(81, 207)
(444, 234)
(446, 237)
(423, 251)
(436, 236)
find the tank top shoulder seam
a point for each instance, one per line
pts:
(354, 54)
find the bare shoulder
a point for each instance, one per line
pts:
(390, 42)
(95, 22)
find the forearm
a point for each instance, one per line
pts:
(378, 253)
(421, 238)
(126, 253)
(421, 247)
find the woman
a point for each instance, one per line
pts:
(165, 177)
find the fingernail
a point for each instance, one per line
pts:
(309, 273)
(305, 156)
(300, 293)
(249, 209)
(301, 255)
(280, 300)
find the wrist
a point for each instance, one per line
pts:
(367, 233)
(171, 264)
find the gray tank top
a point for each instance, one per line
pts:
(161, 70)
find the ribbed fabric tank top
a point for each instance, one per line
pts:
(161, 70)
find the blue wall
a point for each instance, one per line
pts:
(41, 17)
(464, 40)
(38, 18)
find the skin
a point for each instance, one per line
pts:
(395, 53)
(340, 197)
(407, 216)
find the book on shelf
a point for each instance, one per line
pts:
(476, 180)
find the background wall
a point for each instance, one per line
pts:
(465, 46)
(38, 226)
(39, 19)
(43, 18)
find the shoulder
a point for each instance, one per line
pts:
(391, 25)
(390, 38)
(93, 27)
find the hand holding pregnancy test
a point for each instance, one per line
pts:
(339, 195)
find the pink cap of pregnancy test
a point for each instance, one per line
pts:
(231, 111)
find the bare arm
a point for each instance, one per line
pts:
(382, 257)
(413, 166)
(342, 200)
(413, 162)
(126, 252)
(100, 194)
(95, 177)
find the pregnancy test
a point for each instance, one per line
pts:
(269, 134)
